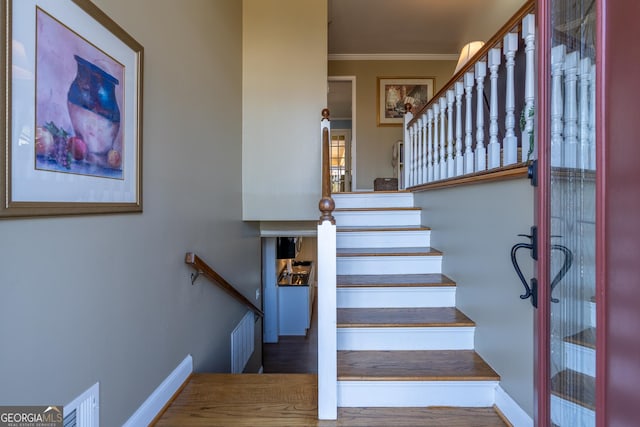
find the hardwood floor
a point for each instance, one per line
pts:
(242, 400)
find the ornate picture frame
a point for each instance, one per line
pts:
(394, 92)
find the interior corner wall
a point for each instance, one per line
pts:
(108, 298)
(284, 90)
(374, 143)
(475, 227)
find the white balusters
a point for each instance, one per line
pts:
(584, 150)
(414, 160)
(494, 146)
(443, 158)
(468, 138)
(510, 141)
(557, 107)
(420, 161)
(450, 162)
(429, 145)
(459, 91)
(481, 150)
(423, 178)
(436, 141)
(529, 36)
(570, 153)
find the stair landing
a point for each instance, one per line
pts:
(283, 400)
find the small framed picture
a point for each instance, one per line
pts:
(395, 92)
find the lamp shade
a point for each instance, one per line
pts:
(468, 50)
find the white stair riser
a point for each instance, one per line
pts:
(416, 393)
(383, 239)
(422, 338)
(389, 265)
(377, 218)
(373, 200)
(569, 414)
(376, 297)
(580, 359)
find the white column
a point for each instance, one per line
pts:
(451, 170)
(557, 104)
(443, 138)
(423, 178)
(584, 150)
(570, 153)
(494, 145)
(529, 36)
(468, 137)
(436, 141)
(510, 141)
(481, 150)
(327, 335)
(429, 145)
(407, 150)
(459, 91)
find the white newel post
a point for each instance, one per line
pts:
(510, 141)
(424, 148)
(481, 150)
(436, 140)
(529, 36)
(327, 333)
(406, 158)
(459, 90)
(557, 104)
(571, 110)
(584, 150)
(429, 145)
(451, 169)
(468, 137)
(494, 146)
(443, 156)
(419, 130)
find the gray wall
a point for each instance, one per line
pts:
(108, 298)
(475, 226)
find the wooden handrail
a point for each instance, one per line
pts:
(497, 38)
(326, 205)
(203, 268)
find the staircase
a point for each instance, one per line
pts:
(401, 341)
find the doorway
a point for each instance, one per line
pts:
(341, 101)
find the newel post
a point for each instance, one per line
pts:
(408, 152)
(327, 336)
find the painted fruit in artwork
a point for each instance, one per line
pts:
(93, 107)
(114, 159)
(77, 147)
(44, 141)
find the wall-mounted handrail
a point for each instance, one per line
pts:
(203, 268)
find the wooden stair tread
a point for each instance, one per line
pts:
(402, 317)
(575, 387)
(413, 251)
(386, 208)
(412, 417)
(369, 193)
(393, 280)
(585, 338)
(427, 365)
(365, 228)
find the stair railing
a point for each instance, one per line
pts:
(202, 268)
(490, 110)
(327, 334)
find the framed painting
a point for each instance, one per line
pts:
(395, 92)
(73, 111)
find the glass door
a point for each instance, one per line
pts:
(569, 228)
(340, 161)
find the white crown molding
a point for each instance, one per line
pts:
(393, 57)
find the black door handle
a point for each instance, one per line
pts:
(530, 290)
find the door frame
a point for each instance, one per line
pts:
(351, 79)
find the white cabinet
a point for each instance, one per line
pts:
(295, 306)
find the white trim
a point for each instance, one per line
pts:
(511, 410)
(416, 393)
(406, 338)
(390, 264)
(384, 297)
(371, 199)
(393, 56)
(161, 395)
(383, 239)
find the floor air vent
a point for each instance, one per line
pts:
(242, 342)
(83, 411)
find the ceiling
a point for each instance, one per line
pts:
(432, 27)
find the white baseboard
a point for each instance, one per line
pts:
(161, 395)
(511, 410)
